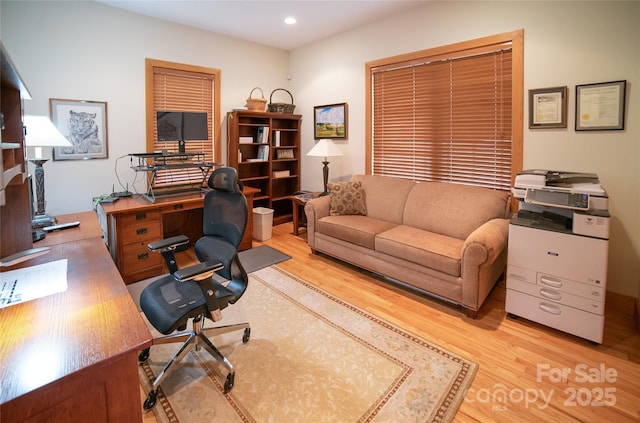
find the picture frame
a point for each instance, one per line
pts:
(84, 124)
(330, 121)
(601, 106)
(548, 107)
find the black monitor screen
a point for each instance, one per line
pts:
(182, 126)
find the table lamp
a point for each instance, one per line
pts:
(40, 132)
(325, 148)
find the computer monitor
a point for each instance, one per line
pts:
(181, 127)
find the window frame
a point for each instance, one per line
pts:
(516, 38)
(150, 118)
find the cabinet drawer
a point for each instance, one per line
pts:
(137, 257)
(567, 319)
(584, 290)
(557, 296)
(518, 273)
(573, 257)
(181, 206)
(139, 216)
(141, 231)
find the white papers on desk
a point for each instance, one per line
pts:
(29, 283)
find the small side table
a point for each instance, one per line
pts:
(298, 202)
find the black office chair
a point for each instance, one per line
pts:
(188, 293)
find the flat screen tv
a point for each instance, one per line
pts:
(181, 127)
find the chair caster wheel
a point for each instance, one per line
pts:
(228, 384)
(247, 334)
(143, 356)
(151, 400)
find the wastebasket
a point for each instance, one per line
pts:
(262, 223)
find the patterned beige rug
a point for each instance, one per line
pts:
(311, 358)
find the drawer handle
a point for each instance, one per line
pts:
(141, 231)
(178, 206)
(143, 256)
(550, 295)
(554, 283)
(141, 216)
(550, 308)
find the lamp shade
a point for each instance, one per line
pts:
(41, 132)
(325, 148)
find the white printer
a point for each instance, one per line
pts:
(563, 201)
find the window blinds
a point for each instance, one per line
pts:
(185, 91)
(445, 119)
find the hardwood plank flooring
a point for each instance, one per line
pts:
(527, 372)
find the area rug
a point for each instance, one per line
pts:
(311, 358)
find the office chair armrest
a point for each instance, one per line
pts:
(192, 272)
(169, 243)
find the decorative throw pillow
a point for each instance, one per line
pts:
(346, 198)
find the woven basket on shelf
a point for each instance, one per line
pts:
(280, 107)
(256, 104)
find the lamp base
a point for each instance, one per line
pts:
(42, 220)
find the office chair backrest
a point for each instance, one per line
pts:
(225, 207)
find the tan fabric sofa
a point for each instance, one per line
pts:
(443, 239)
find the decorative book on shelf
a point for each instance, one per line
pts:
(281, 173)
(263, 135)
(285, 153)
(263, 152)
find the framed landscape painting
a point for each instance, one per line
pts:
(330, 121)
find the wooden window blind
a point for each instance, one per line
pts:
(445, 116)
(186, 88)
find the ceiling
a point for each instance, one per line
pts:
(262, 21)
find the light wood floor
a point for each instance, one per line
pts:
(527, 372)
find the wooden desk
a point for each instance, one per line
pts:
(89, 227)
(131, 223)
(72, 356)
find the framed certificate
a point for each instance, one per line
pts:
(548, 108)
(600, 107)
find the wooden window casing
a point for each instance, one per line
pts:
(179, 87)
(450, 114)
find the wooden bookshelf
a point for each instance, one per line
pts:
(257, 162)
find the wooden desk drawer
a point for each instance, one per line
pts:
(137, 257)
(142, 231)
(140, 216)
(170, 208)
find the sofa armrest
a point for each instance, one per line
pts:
(315, 210)
(483, 260)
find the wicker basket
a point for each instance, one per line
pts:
(256, 104)
(280, 107)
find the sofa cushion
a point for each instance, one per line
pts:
(357, 229)
(429, 249)
(385, 196)
(452, 209)
(346, 198)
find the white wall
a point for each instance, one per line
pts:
(88, 51)
(566, 43)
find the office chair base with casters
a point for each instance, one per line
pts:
(195, 338)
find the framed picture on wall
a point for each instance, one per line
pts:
(600, 107)
(548, 108)
(84, 123)
(330, 121)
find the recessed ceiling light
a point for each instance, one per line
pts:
(290, 20)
